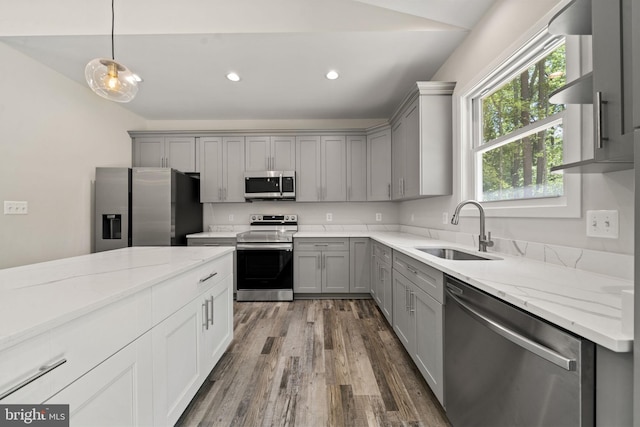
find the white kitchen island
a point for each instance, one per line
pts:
(125, 337)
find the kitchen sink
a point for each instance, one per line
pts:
(455, 254)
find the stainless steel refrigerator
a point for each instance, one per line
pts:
(145, 207)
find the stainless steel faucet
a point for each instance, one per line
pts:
(483, 240)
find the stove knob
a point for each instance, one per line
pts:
(293, 218)
(286, 217)
(253, 217)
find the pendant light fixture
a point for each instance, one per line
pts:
(110, 79)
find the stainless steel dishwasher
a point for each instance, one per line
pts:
(505, 367)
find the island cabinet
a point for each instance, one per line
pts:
(321, 265)
(137, 361)
(177, 152)
(270, 153)
(186, 347)
(321, 162)
(418, 299)
(421, 143)
(381, 286)
(378, 164)
(222, 160)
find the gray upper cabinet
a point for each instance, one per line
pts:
(222, 169)
(165, 152)
(357, 168)
(421, 142)
(321, 167)
(609, 23)
(270, 153)
(378, 165)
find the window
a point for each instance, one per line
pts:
(514, 135)
(521, 132)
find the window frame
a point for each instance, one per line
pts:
(569, 204)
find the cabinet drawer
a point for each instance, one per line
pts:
(82, 344)
(382, 252)
(327, 244)
(211, 241)
(171, 295)
(427, 278)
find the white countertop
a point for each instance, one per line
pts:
(586, 303)
(38, 297)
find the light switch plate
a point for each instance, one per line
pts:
(329, 217)
(603, 223)
(15, 208)
(378, 216)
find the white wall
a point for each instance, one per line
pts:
(53, 133)
(500, 31)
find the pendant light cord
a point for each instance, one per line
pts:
(113, 20)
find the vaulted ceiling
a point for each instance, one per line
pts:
(281, 49)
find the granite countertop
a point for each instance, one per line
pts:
(585, 303)
(38, 297)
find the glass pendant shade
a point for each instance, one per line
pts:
(111, 80)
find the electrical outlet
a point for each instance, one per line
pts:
(230, 217)
(378, 216)
(329, 217)
(413, 217)
(602, 223)
(15, 208)
(445, 217)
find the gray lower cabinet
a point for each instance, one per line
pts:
(381, 286)
(360, 269)
(321, 265)
(418, 296)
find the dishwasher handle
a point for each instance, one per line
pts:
(516, 338)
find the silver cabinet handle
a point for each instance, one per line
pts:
(412, 302)
(389, 190)
(516, 338)
(205, 318)
(318, 261)
(406, 298)
(210, 301)
(411, 269)
(41, 372)
(204, 279)
(598, 120)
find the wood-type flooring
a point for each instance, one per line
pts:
(314, 363)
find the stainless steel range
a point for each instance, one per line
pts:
(265, 258)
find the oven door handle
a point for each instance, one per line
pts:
(264, 246)
(516, 338)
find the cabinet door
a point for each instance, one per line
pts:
(308, 168)
(307, 272)
(429, 345)
(411, 143)
(257, 152)
(397, 160)
(401, 306)
(379, 166)
(118, 392)
(211, 169)
(612, 75)
(218, 332)
(148, 152)
(360, 270)
(283, 153)
(233, 169)
(387, 288)
(180, 153)
(357, 168)
(335, 271)
(334, 168)
(177, 369)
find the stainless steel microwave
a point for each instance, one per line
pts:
(270, 185)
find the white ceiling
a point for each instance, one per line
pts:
(281, 49)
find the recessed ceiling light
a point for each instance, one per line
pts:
(233, 77)
(332, 75)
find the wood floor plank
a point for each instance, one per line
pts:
(314, 363)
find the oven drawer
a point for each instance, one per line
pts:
(323, 244)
